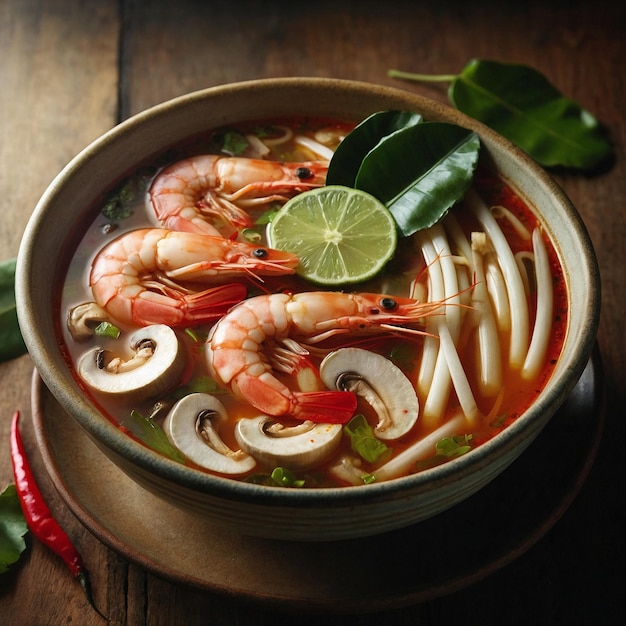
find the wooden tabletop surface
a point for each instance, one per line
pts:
(71, 69)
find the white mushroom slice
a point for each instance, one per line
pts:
(379, 382)
(156, 365)
(297, 448)
(192, 426)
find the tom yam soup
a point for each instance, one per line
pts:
(206, 332)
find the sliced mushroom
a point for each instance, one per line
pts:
(383, 385)
(192, 426)
(156, 365)
(298, 447)
(83, 318)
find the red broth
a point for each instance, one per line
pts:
(405, 351)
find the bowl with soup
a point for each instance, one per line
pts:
(210, 358)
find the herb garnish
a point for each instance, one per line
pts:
(151, 433)
(363, 440)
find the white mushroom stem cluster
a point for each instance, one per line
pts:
(499, 291)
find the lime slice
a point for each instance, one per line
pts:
(341, 235)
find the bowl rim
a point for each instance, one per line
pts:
(101, 430)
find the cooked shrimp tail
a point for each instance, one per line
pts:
(178, 309)
(331, 407)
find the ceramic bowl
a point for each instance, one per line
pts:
(67, 207)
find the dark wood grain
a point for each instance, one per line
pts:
(71, 69)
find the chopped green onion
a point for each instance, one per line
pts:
(368, 479)
(285, 478)
(190, 332)
(106, 329)
(450, 447)
(363, 440)
(267, 216)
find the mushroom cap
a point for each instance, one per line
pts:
(155, 375)
(298, 448)
(181, 429)
(384, 380)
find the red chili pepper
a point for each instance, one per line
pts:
(38, 516)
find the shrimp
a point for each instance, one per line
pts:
(199, 192)
(144, 276)
(235, 346)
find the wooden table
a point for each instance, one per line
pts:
(72, 69)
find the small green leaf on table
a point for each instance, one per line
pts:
(13, 527)
(11, 341)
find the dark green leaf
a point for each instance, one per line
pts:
(420, 172)
(345, 163)
(151, 433)
(11, 342)
(521, 104)
(13, 527)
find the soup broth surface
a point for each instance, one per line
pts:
(409, 274)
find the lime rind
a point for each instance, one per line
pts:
(342, 235)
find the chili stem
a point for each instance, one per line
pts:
(38, 515)
(431, 78)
